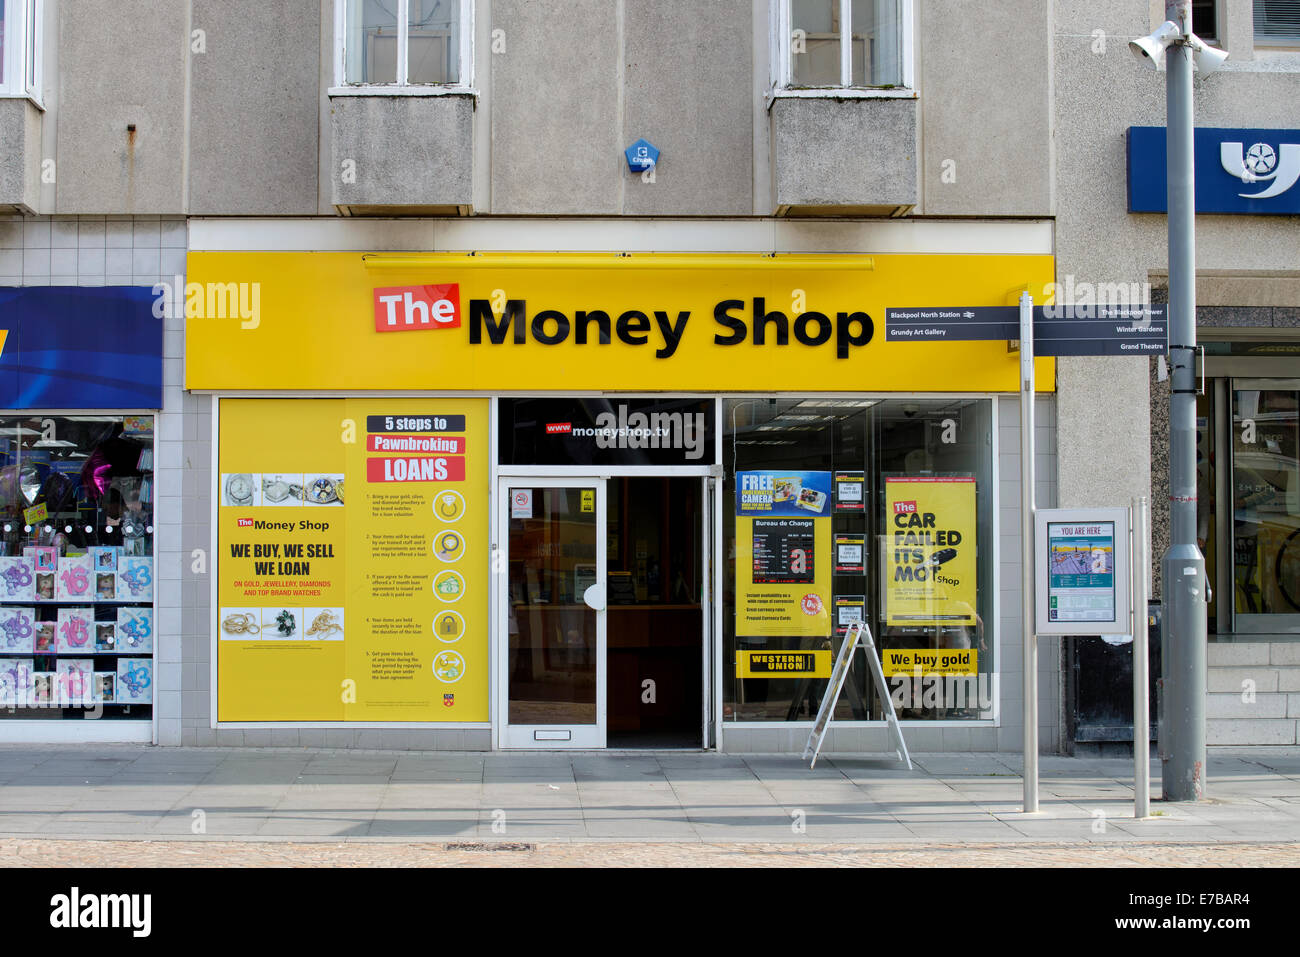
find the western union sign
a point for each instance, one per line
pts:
(815, 663)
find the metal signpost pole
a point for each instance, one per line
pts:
(1030, 656)
(1183, 570)
(1141, 684)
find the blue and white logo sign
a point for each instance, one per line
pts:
(1242, 171)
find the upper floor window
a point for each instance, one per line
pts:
(407, 43)
(836, 44)
(20, 48)
(1205, 20)
(1277, 22)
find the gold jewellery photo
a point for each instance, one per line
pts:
(239, 624)
(324, 624)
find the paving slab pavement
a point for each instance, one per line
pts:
(140, 793)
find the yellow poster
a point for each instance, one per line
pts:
(930, 661)
(929, 567)
(353, 560)
(783, 554)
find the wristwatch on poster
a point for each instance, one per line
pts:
(278, 491)
(325, 490)
(239, 489)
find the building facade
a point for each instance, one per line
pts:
(524, 379)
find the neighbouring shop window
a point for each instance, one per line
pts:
(77, 570)
(1205, 20)
(1277, 22)
(838, 509)
(404, 42)
(1266, 503)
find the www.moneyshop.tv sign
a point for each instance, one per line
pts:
(408, 309)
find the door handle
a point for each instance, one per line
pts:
(594, 596)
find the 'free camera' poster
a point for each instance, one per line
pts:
(783, 554)
(353, 560)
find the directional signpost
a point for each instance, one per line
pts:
(1106, 330)
(1078, 330)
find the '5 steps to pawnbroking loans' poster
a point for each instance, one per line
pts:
(353, 560)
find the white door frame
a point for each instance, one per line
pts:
(546, 737)
(577, 476)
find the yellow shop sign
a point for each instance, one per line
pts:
(571, 322)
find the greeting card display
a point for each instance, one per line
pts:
(42, 688)
(44, 641)
(17, 630)
(105, 637)
(134, 680)
(16, 676)
(72, 685)
(17, 580)
(105, 557)
(105, 586)
(134, 578)
(44, 586)
(105, 687)
(43, 558)
(75, 632)
(75, 579)
(135, 630)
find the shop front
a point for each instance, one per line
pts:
(601, 500)
(80, 386)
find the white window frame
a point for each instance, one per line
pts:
(401, 87)
(22, 75)
(783, 63)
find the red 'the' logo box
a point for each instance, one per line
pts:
(408, 308)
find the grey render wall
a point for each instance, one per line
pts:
(253, 116)
(129, 251)
(575, 83)
(1104, 403)
(555, 107)
(686, 88)
(984, 71)
(121, 63)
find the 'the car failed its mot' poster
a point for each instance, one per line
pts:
(352, 566)
(929, 550)
(783, 554)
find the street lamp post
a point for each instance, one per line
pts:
(1186, 588)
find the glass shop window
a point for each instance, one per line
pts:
(77, 570)
(837, 510)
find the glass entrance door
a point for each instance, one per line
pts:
(553, 610)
